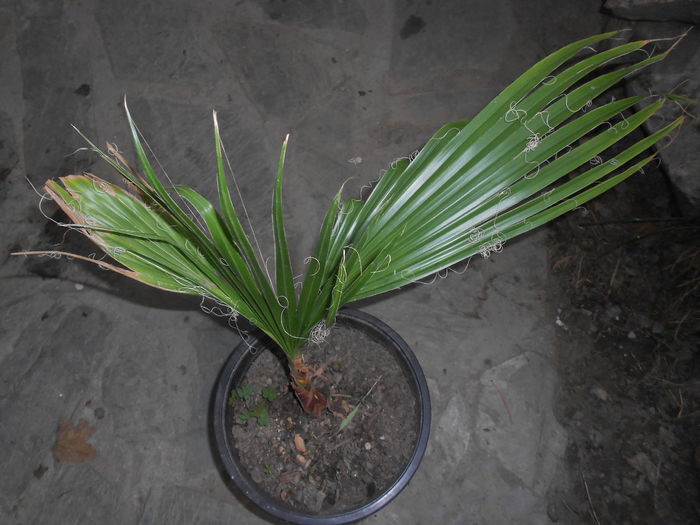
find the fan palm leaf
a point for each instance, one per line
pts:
(533, 153)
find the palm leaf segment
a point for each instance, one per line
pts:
(473, 186)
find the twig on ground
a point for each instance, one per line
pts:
(680, 403)
(588, 495)
(503, 400)
(352, 414)
(578, 272)
(680, 323)
(612, 278)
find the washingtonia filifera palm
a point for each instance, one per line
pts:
(474, 185)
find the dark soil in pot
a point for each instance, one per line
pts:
(310, 464)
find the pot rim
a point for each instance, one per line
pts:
(268, 503)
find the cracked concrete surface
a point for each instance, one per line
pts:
(353, 79)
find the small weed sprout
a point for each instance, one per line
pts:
(242, 397)
(268, 393)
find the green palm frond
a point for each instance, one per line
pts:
(516, 165)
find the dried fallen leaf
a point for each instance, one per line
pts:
(336, 408)
(285, 494)
(290, 476)
(319, 372)
(299, 444)
(71, 442)
(40, 471)
(302, 461)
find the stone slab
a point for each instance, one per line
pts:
(350, 80)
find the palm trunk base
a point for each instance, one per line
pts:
(311, 399)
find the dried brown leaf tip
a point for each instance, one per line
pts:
(71, 442)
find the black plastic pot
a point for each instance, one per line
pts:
(236, 366)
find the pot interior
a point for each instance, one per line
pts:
(347, 464)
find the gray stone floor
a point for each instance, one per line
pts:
(350, 80)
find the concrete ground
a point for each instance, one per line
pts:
(357, 83)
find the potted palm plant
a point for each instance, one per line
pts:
(538, 150)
